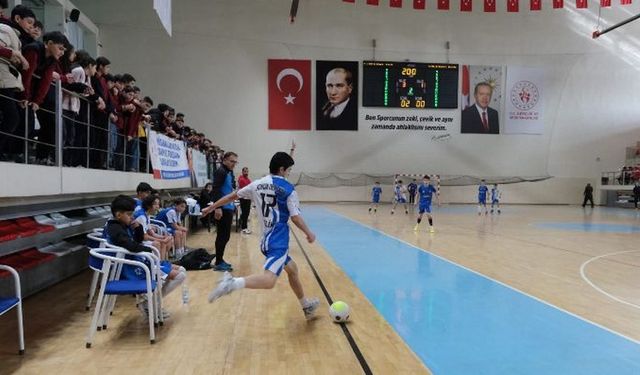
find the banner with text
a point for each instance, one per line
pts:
(198, 167)
(434, 124)
(168, 157)
(523, 105)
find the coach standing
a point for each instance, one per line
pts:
(224, 183)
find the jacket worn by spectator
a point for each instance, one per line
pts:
(9, 41)
(120, 235)
(36, 89)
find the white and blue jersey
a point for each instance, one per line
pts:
(482, 194)
(400, 196)
(425, 193)
(277, 201)
(169, 216)
(495, 195)
(138, 209)
(375, 194)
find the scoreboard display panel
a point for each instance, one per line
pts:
(409, 85)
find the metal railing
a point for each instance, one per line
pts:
(621, 178)
(61, 137)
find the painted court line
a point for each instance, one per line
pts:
(594, 286)
(459, 321)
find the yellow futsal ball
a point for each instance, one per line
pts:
(339, 312)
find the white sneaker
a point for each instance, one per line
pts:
(224, 287)
(246, 231)
(310, 307)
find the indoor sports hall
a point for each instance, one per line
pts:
(319, 187)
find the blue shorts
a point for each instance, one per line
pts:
(375, 200)
(276, 260)
(171, 231)
(130, 272)
(426, 207)
(401, 200)
(482, 200)
(495, 201)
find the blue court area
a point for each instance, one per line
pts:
(591, 227)
(459, 322)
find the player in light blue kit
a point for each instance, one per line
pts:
(375, 197)
(425, 196)
(277, 201)
(496, 195)
(399, 196)
(482, 197)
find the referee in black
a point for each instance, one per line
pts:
(224, 182)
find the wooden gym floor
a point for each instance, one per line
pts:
(538, 250)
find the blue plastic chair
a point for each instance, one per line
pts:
(94, 241)
(109, 260)
(7, 303)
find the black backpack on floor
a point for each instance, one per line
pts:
(198, 259)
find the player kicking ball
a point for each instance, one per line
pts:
(425, 196)
(277, 201)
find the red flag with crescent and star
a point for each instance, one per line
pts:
(289, 94)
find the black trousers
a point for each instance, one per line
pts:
(223, 234)
(245, 206)
(412, 198)
(9, 123)
(587, 198)
(636, 198)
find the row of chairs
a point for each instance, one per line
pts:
(8, 303)
(107, 261)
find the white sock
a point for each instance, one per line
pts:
(303, 302)
(173, 284)
(238, 283)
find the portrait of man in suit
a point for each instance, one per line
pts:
(480, 118)
(338, 110)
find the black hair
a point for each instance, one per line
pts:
(179, 201)
(102, 61)
(399, 181)
(426, 177)
(147, 203)
(22, 11)
(163, 107)
(38, 24)
(128, 89)
(4, 4)
(108, 77)
(127, 78)
(136, 89)
(55, 37)
(117, 78)
(147, 99)
(86, 61)
(144, 187)
(122, 203)
(280, 160)
(180, 114)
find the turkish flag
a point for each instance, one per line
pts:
(489, 5)
(466, 6)
(557, 4)
(536, 5)
(513, 5)
(419, 4)
(625, 2)
(581, 4)
(289, 94)
(395, 3)
(443, 4)
(605, 3)
(373, 2)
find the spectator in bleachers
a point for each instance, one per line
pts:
(11, 64)
(37, 30)
(99, 114)
(43, 60)
(147, 104)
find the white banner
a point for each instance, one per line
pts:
(523, 104)
(168, 157)
(434, 124)
(198, 166)
(163, 8)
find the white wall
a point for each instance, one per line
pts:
(214, 69)
(34, 180)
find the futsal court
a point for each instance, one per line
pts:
(499, 294)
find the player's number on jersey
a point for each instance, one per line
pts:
(268, 202)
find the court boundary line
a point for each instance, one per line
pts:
(492, 279)
(594, 286)
(345, 329)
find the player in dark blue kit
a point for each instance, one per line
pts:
(482, 197)
(375, 197)
(425, 196)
